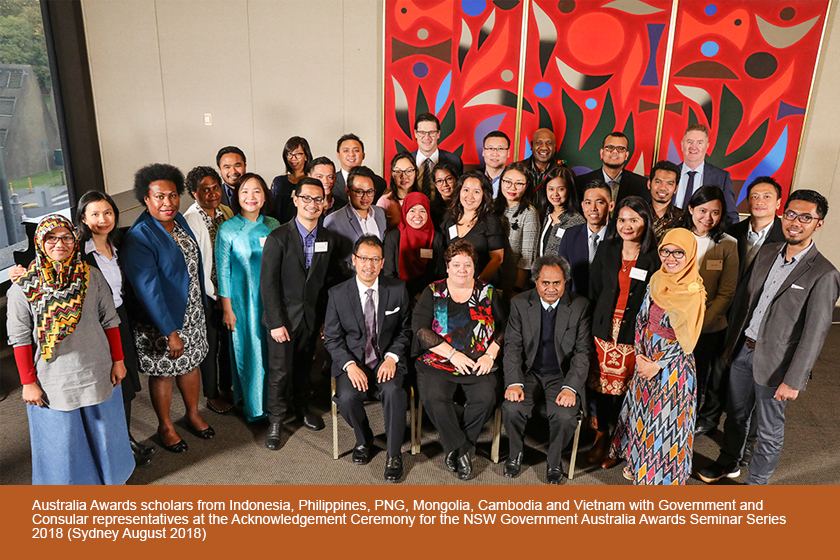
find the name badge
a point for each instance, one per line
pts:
(560, 233)
(262, 241)
(426, 253)
(714, 265)
(638, 274)
(453, 231)
(321, 246)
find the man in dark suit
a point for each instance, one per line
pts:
(323, 169)
(580, 242)
(367, 331)
(351, 153)
(697, 173)
(548, 341)
(296, 267)
(615, 153)
(776, 337)
(231, 163)
(427, 154)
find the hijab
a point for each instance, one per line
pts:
(412, 239)
(55, 290)
(681, 294)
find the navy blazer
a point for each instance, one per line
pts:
(574, 247)
(719, 177)
(157, 274)
(447, 157)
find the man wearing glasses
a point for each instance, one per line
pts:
(495, 153)
(427, 154)
(367, 333)
(360, 217)
(775, 337)
(622, 183)
(297, 266)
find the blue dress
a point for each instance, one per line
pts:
(239, 247)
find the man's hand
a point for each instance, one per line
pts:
(117, 372)
(386, 370)
(785, 393)
(357, 378)
(566, 398)
(280, 335)
(514, 393)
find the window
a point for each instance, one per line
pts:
(3, 133)
(7, 106)
(15, 79)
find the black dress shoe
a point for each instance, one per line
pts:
(178, 447)
(748, 454)
(393, 468)
(142, 460)
(272, 438)
(139, 448)
(361, 454)
(555, 475)
(310, 421)
(702, 429)
(207, 433)
(451, 461)
(513, 465)
(465, 466)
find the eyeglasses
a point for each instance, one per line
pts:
(496, 150)
(310, 199)
(404, 172)
(296, 155)
(54, 239)
(790, 215)
(363, 194)
(619, 149)
(507, 183)
(426, 133)
(676, 253)
(365, 260)
(448, 181)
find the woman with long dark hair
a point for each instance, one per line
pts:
(297, 157)
(562, 209)
(403, 181)
(445, 177)
(522, 227)
(618, 278)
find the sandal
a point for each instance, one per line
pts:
(626, 473)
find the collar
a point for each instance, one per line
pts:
(90, 247)
(359, 216)
(607, 179)
(761, 233)
(344, 174)
(303, 231)
(798, 257)
(363, 289)
(686, 169)
(420, 159)
(601, 234)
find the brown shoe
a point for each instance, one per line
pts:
(610, 463)
(599, 449)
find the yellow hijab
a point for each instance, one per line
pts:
(681, 294)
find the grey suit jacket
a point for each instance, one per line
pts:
(572, 337)
(795, 325)
(345, 223)
(720, 278)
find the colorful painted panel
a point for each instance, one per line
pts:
(744, 69)
(595, 67)
(456, 59)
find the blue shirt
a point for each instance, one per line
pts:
(308, 240)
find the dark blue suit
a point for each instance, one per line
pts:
(575, 248)
(447, 157)
(719, 177)
(157, 273)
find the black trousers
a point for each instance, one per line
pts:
(215, 368)
(289, 372)
(437, 391)
(562, 420)
(351, 405)
(707, 357)
(608, 407)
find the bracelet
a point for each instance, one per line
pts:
(489, 356)
(449, 358)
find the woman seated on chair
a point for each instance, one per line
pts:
(458, 326)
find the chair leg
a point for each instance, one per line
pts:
(419, 431)
(412, 420)
(334, 414)
(497, 435)
(575, 450)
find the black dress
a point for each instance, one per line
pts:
(434, 268)
(486, 235)
(281, 190)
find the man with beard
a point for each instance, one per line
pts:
(664, 178)
(615, 153)
(543, 152)
(231, 163)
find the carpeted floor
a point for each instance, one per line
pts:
(237, 455)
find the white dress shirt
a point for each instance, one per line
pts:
(363, 299)
(368, 225)
(420, 159)
(698, 182)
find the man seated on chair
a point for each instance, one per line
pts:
(547, 346)
(367, 333)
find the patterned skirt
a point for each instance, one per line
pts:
(611, 372)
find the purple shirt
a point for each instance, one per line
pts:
(308, 240)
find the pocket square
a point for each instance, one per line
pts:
(795, 287)
(392, 311)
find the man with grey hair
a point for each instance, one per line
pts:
(548, 341)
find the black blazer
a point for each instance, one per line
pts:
(447, 157)
(435, 269)
(572, 337)
(629, 185)
(290, 293)
(739, 232)
(603, 289)
(340, 188)
(574, 247)
(345, 335)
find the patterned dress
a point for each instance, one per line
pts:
(611, 372)
(656, 425)
(153, 347)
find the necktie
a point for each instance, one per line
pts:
(689, 190)
(426, 180)
(614, 189)
(371, 358)
(593, 246)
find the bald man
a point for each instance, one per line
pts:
(543, 158)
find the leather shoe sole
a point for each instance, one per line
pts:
(393, 469)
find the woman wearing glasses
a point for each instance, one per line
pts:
(562, 209)
(661, 406)
(471, 218)
(717, 261)
(239, 247)
(403, 176)
(62, 309)
(522, 227)
(296, 156)
(445, 178)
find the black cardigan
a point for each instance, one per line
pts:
(603, 289)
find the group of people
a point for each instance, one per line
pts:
(609, 296)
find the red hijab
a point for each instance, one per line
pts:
(412, 239)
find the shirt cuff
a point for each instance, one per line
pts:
(517, 385)
(394, 356)
(345, 366)
(569, 388)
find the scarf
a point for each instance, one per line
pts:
(412, 239)
(681, 294)
(56, 290)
